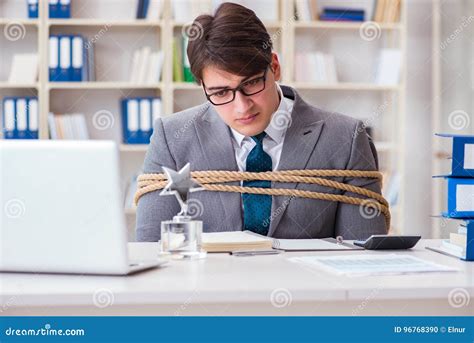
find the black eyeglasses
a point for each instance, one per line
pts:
(247, 88)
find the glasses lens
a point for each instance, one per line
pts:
(253, 86)
(221, 97)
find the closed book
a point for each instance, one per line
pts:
(234, 240)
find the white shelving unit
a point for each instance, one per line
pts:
(452, 92)
(120, 36)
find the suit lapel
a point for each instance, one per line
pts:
(300, 140)
(216, 146)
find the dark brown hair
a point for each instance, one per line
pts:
(233, 40)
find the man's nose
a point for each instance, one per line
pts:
(242, 102)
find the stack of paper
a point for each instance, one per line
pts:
(24, 69)
(234, 240)
(353, 265)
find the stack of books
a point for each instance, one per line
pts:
(387, 11)
(68, 126)
(315, 67)
(181, 66)
(149, 9)
(342, 14)
(146, 66)
(460, 198)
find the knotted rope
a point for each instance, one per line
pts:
(213, 180)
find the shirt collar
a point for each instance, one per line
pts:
(275, 132)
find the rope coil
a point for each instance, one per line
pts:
(213, 180)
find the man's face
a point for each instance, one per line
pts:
(249, 115)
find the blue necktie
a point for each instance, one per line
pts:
(257, 207)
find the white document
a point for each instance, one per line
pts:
(356, 265)
(469, 156)
(464, 198)
(311, 244)
(388, 72)
(24, 69)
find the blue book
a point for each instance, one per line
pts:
(9, 118)
(64, 10)
(65, 52)
(54, 8)
(32, 9)
(460, 200)
(77, 59)
(21, 117)
(53, 63)
(32, 118)
(340, 10)
(146, 4)
(140, 9)
(146, 120)
(341, 17)
(131, 121)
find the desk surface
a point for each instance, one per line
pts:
(259, 285)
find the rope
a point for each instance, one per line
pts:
(213, 180)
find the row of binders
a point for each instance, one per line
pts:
(138, 115)
(57, 9)
(70, 59)
(20, 118)
(460, 198)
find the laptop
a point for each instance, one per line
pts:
(61, 209)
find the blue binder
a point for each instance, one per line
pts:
(54, 70)
(462, 155)
(137, 119)
(32, 9)
(9, 118)
(32, 118)
(77, 58)
(60, 9)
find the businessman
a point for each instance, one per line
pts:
(251, 123)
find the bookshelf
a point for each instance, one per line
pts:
(121, 35)
(452, 93)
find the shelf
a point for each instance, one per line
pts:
(344, 25)
(101, 85)
(142, 148)
(268, 25)
(185, 85)
(8, 85)
(345, 86)
(103, 22)
(21, 21)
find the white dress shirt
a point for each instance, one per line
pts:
(273, 141)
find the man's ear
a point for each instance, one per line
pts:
(275, 66)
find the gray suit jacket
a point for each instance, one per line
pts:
(315, 139)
